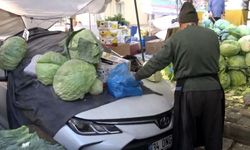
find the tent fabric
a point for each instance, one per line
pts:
(48, 9)
(16, 15)
(10, 23)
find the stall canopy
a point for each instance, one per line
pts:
(15, 15)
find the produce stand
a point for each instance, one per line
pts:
(236, 17)
(29, 101)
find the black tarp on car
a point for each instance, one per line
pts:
(29, 101)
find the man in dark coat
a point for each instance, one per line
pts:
(199, 98)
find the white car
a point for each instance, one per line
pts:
(142, 122)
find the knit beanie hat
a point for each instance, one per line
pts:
(188, 13)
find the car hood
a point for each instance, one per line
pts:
(136, 106)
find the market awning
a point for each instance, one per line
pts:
(15, 15)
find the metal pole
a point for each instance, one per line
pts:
(71, 29)
(139, 30)
(89, 22)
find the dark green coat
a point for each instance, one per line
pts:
(193, 51)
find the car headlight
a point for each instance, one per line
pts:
(86, 127)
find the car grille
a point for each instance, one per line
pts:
(162, 120)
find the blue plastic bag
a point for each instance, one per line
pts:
(121, 83)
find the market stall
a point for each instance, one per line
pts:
(235, 11)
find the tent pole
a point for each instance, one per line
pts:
(71, 29)
(90, 22)
(139, 30)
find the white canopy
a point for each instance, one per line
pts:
(15, 15)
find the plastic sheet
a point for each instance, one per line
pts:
(121, 83)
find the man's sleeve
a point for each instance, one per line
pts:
(159, 61)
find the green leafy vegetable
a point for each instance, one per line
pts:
(74, 79)
(12, 52)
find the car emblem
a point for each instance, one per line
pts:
(163, 122)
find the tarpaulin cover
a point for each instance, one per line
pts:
(16, 14)
(29, 101)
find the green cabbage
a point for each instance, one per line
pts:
(243, 30)
(47, 65)
(22, 139)
(248, 72)
(231, 37)
(222, 63)
(207, 23)
(74, 79)
(245, 43)
(247, 59)
(97, 87)
(221, 24)
(224, 79)
(85, 46)
(229, 48)
(217, 31)
(232, 29)
(236, 62)
(238, 78)
(12, 52)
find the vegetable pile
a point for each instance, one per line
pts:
(234, 61)
(74, 75)
(235, 52)
(21, 139)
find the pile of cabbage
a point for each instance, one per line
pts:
(235, 53)
(23, 139)
(73, 75)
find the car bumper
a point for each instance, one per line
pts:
(138, 136)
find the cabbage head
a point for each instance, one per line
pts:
(85, 46)
(247, 59)
(74, 79)
(243, 30)
(224, 79)
(222, 63)
(229, 48)
(233, 30)
(217, 31)
(97, 87)
(231, 37)
(238, 78)
(221, 24)
(245, 43)
(12, 52)
(248, 72)
(47, 65)
(236, 62)
(207, 23)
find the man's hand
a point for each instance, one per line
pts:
(222, 16)
(210, 14)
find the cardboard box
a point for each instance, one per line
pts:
(102, 24)
(153, 46)
(126, 49)
(108, 63)
(109, 41)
